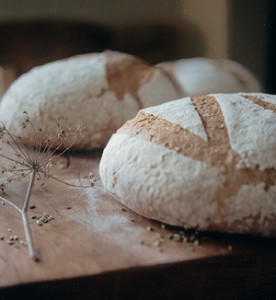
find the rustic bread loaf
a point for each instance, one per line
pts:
(201, 76)
(101, 91)
(205, 162)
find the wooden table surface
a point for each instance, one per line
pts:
(95, 248)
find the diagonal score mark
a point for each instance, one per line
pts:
(169, 135)
(125, 76)
(259, 101)
(216, 151)
(219, 146)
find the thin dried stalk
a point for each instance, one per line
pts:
(10, 203)
(24, 211)
(38, 162)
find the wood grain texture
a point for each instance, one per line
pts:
(98, 249)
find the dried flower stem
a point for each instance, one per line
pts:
(34, 153)
(24, 215)
(10, 203)
(24, 211)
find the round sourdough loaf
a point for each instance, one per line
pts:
(205, 162)
(201, 76)
(101, 91)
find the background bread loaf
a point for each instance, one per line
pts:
(206, 162)
(201, 76)
(101, 91)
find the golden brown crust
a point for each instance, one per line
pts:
(257, 100)
(216, 151)
(126, 75)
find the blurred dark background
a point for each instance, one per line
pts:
(35, 32)
(253, 38)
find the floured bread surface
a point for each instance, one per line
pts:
(100, 91)
(201, 76)
(206, 162)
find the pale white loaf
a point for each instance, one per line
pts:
(206, 162)
(100, 91)
(201, 76)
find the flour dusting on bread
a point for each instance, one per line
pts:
(99, 90)
(165, 169)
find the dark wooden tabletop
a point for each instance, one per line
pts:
(94, 248)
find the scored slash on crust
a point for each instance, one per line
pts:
(216, 151)
(125, 76)
(259, 101)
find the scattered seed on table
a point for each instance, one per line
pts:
(43, 219)
(185, 239)
(23, 243)
(157, 243)
(196, 242)
(149, 228)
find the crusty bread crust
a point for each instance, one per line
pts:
(200, 76)
(222, 180)
(99, 90)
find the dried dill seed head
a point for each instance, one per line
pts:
(35, 149)
(34, 152)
